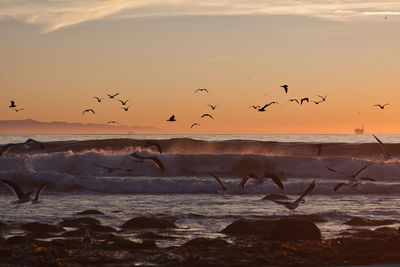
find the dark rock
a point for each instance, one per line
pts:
(17, 240)
(118, 243)
(67, 243)
(285, 229)
(356, 221)
(41, 227)
(148, 222)
(79, 222)
(5, 253)
(2, 224)
(387, 230)
(289, 229)
(89, 212)
(148, 244)
(206, 242)
(310, 217)
(247, 227)
(101, 228)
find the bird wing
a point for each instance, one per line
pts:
(342, 173)
(243, 182)
(157, 162)
(218, 180)
(84, 111)
(91, 110)
(197, 90)
(382, 147)
(39, 191)
(14, 187)
(304, 99)
(115, 95)
(307, 191)
(276, 180)
(323, 98)
(284, 203)
(207, 115)
(266, 105)
(338, 186)
(377, 105)
(361, 170)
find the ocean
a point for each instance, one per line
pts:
(97, 172)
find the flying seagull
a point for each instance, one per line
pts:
(267, 105)
(207, 115)
(172, 118)
(294, 204)
(352, 184)
(212, 107)
(156, 161)
(224, 189)
(152, 144)
(304, 99)
(88, 110)
(113, 122)
(294, 100)
(317, 102)
(126, 109)
(255, 180)
(98, 98)
(19, 109)
(356, 181)
(323, 98)
(201, 90)
(12, 105)
(112, 96)
(36, 200)
(16, 189)
(381, 106)
(194, 124)
(254, 107)
(353, 175)
(386, 154)
(123, 102)
(285, 87)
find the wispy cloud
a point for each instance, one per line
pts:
(56, 14)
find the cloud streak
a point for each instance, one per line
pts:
(56, 14)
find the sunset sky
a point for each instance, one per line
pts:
(55, 56)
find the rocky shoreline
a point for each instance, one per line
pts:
(281, 241)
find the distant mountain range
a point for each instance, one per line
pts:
(59, 127)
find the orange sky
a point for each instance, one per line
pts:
(53, 66)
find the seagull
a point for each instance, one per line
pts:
(207, 115)
(12, 105)
(123, 102)
(87, 239)
(194, 124)
(153, 144)
(172, 118)
(224, 189)
(212, 107)
(317, 102)
(381, 106)
(113, 122)
(201, 90)
(304, 99)
(126, 109)
(354, 184)
(255, 107)
(267, 105)
(386, 154)
(156, 161)
(294, 204)
(36, 200)
(285, 86)
(98, 99)
(112, 96)
(16, 110)
(351, 176)
(88, 110)
(16, 189)
(323, 98)
(294, 100)
(255, 180)
(354, 177)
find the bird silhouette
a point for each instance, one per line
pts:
(98, 98)
(112, 96)
(317, 102)
(381, 106)
(254, 107)
(267, 105)
(285, 87)
(16, 189)
(224, 189)
(323, 98)
(294, 100)
(172, 118)
(125, 108)
(352, 184)
(113, 122)
(19, 109)
(12, 105)
(195, 124)
(207, 115)
(123, 102)
(212, 107)
(292, 206)
(304, 99)
(88, 110)
(255, 180)
(201, 90)
(36, 200)
(386, 154)
(156, 161)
